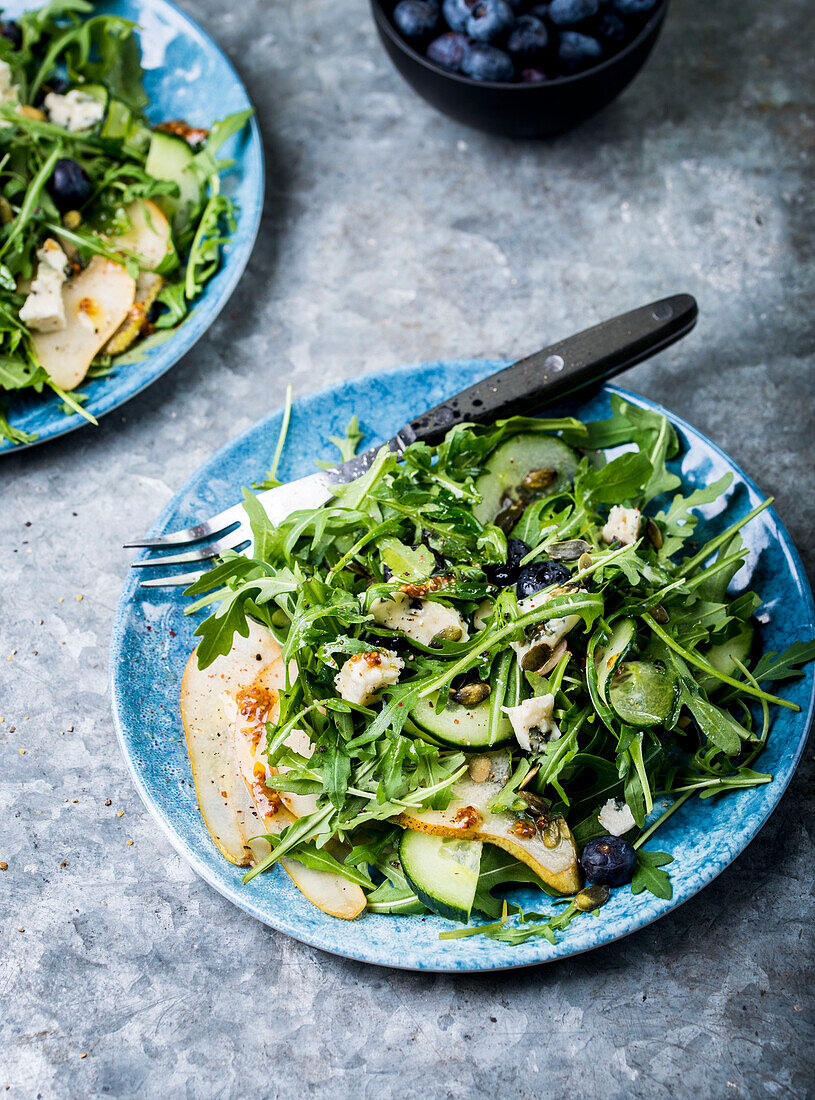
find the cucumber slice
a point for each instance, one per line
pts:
(644, 693)
(464, 727)
(170, 158)
(444, 873)
(512, 461)
(118, 120)
(721, 656)
(622, 635)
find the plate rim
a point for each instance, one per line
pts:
(246, 902)
(183, 343)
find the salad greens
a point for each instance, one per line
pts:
(103, 185)
(635, 667)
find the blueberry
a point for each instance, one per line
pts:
(69, 185)
(456, 13)
(489, 19)
(483, 62)
(538, 575)
(633, 7)
(567, 13)
(506, 572)
(12, 33)
(533, 76)
(611, 29)
(448, 50)
(416, 18)
(578, 51)
(527, 39)
(540, 11)
(608, 861)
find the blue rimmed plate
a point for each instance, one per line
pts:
(186, 76)
(152, 641)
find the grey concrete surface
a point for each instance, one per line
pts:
(390, 235)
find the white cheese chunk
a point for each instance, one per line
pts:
(623, 525)
(532, 722)
(550, 631)
(44, 310)
(616, 818)
(364, 675)
(424, 623)
(74, 111)
(8, 91)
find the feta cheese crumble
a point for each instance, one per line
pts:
(44, 310)
(623, 524)
(616, 818)
(74, 111)
(425, 623)
(8, 91)
(533, 723)
(549, 632)
(364, 675)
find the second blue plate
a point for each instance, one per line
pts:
(186, 76)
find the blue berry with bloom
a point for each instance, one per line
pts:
(567, 13)
(577, 52)
(416, 18)
(448, 50)
(527, 39)
(456, 13)
(484, 62)
(489, 19)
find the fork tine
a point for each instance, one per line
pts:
(173, 580)
(201, 553)
(215, 526)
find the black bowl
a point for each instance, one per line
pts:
(520, 110)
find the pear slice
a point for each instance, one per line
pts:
(469, 817)
(226, 806)
(224, 708)
(96, 301)
(148, 236)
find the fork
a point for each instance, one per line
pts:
(554, 372)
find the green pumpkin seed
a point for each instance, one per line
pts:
(592, 898)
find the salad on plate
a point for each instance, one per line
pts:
(501, 660)
(110, 226)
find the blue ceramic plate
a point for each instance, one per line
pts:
(152, 640)
(186, 76)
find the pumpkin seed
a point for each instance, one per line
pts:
(660, 614)
(72, 219)
(536, 480)
(551, 834)
(570, 550)
(6, 213)
(535, 657)
(470, 695)
(535, 802)
(448, 634)
(584, 562)
(592, 898)
(510, 513)
(654, 533)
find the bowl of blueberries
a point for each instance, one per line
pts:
(520, 68)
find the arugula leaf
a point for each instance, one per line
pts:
(648, 874)
(499, 868)
(678, 522)
(773, 667)
(621, 480)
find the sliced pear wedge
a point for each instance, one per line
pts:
(468, 816)
(96, 300)
(228, 811)
(224, 709)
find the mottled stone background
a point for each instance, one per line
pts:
(392, 235)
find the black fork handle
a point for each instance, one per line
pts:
(552, 373)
